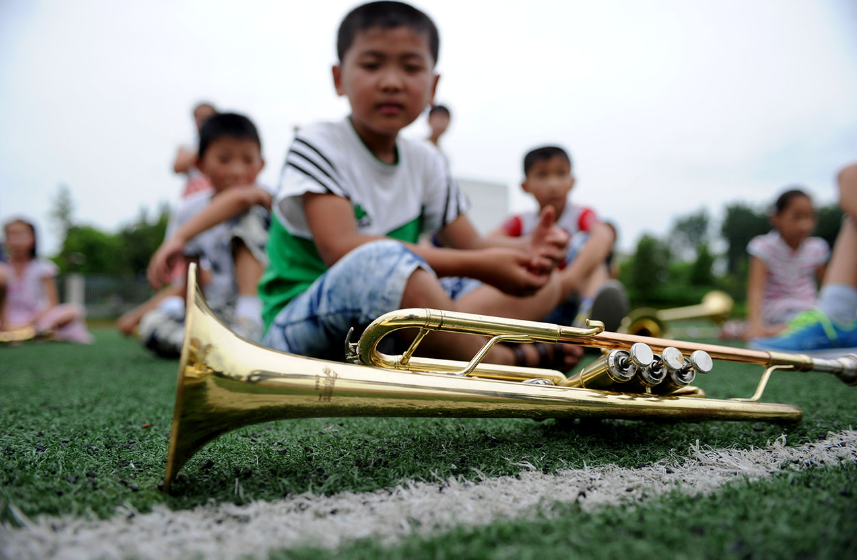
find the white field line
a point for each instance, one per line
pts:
(228, 531)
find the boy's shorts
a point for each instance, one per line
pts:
(363, 285)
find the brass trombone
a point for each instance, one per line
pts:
(225, 382)
(645, 321)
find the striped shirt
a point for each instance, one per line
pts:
(416, 195)
(790, 275)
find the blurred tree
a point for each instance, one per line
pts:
(741, 224)
(141, 239)
(63, 210)
(701, 274)
(689, 232)
(829, 222)
(91, 251)
(650, 266)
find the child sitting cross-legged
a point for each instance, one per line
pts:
(31, 300)
(587, 288)
(230, 233)
(354, 198)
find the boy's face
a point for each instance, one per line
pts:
(231, 162)
(388, 77)
(438, 122)
(550, 181)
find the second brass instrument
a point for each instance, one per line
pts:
(225, 382)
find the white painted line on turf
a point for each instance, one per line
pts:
(229, 531)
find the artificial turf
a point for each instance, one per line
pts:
(84, 429)
(809, 514)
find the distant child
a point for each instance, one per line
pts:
(785, 266)
(354, 197)
(829, 329)
(585, 274)
(438, 120)
(31, 298)
(230, 233)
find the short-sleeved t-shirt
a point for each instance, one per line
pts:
(574, 219)
(25, 294)
(790, 278)
(416, 195)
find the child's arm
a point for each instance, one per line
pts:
(755, 289)
(593, 253)
(222, 207)
(819, 274)
(185, 159)
(547, 241)
(334, 229)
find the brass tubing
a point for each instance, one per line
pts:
(845, 368)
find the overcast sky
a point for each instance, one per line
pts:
(666, 106)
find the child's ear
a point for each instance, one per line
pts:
(525, 186)
(337, 79)
(573, 182)
(435, 80)
(198, 163)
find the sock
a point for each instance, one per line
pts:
(839, 302)
(249, 307)
(172, 306)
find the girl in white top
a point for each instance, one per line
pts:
(786, 266)
(31, 293)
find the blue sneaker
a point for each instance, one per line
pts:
(813, 333)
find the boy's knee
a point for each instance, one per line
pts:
(380, 250)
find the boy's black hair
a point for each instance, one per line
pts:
(386, 15)
(34, 251)
(543, 154)
(786, 198)
(228, 125)
(443, 109)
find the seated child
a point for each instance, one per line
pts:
(182, 212)
(438, 120)
(584, 272)
(830, 329)
(784, 266)
(233, 243)
(31, 299)
(354, 197)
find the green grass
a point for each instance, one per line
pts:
(84, 429)
(810, 514)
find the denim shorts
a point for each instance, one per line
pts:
(363, 285)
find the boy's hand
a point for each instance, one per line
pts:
(548, 243)
(163, 261)
(511, 271)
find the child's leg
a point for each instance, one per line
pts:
(371, 280)
(249, 237)
(66, 320)
(838, 296)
